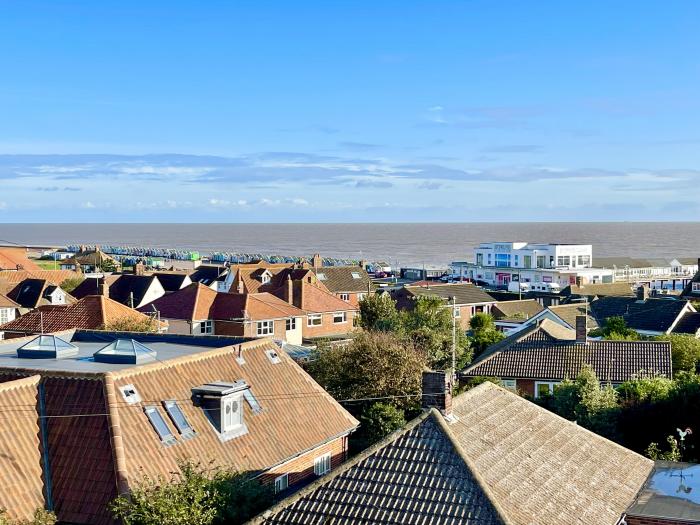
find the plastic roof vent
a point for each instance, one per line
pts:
(47, 347)
(125, 351)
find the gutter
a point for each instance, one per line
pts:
(43, 424)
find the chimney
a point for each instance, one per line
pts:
(139, 268)
(579, 281)
(363, 264)
(289, 291)
(240, 287)
(316, 261)
(437, 391)
(103, 288)
(581, 329)
(642, 294)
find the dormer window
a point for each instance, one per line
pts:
(265, 277)
(222, 403)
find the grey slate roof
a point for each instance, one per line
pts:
(600, 290)
(465, 294)
(121, 287)
(689, 323)
(171, 282)
(516, 309)
(540, 356)
(416, 476)
(340, 279)
(657, 315)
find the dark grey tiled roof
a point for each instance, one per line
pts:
(465, 294)
(689, 323)
(416, 476)
(657, 315)
(540, 356)
(171, 282)
(340, 279)
(688, 290)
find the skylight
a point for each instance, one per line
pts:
(159, 425)
(252, 402)
(47, 347)
(356, 275)
(321, 276)
(179, 419)
(125, 351)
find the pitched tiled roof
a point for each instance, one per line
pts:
(600, 290)
(121, 287)
(417, 475)
(689, 323)
(6, 302)
(538, 355)
(464, 292)
(344, 278)
(52, 276)
(20, 449)
(315, 299)
(516, 309)
(569, 312)
(89, 313)
(95, 258)
(658, 315)
(172, 281)
(32, 293)
(541, 468)
(13, 257)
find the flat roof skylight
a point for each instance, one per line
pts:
(47, 347)
(126, 351)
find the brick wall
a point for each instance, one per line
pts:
(328, 327)
(353, 299)
(633, 520)
(301, 468)
(525, 386)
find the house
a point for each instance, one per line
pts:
(90, 261)
(173, 281)
(199, 310)
(8, 310)
(32, 293)
(431, 272)
(129, 289)
(108, 409)
(465, 298)
(487, 456)
(645, 315)
(15, 258)
(593, 291)
(691, 291)
(349, 283)
(92, 312)
(57, 277)
(511, 315)
(534, 360)
(564, 315)
(218, 278)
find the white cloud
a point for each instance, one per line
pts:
(88, 205)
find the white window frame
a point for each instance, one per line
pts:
(206, 327)
(264, 328)
(4, 315)
(281, 483)
(342, 315)
(345, 296)
(290, 324)
(510, 384)
(312, 318)
(457, 312)
(696, 287)
(550, 384)
(322, 464)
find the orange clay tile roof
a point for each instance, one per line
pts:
(316, 299)
(88, 313)
(20, 450)
(11, 258)
(53, 276)
(297, 414)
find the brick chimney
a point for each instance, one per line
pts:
(316, 261)
(139, 268)
(240, 287)
(103, 288)
(289, 291)
(581, 329)
(437, 391)
(642, 294)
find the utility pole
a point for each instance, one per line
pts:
(454, 334)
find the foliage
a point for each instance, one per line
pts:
(616, 328)
(429, 325)
(70, 284)
(109, 265)
(130, 324)
(378, 312)
(685, 351)
(650, 389)
(477, 380)
(381, 419)
(192, 496)
(483, 332)
(672, 454)
(41, 517)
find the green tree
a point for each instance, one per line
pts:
(429, 325)
(651, 389)
(483, 332)
(685, 351)
(381, 419)
(68, 285)
(653, 451)
(131, 324)
(616, 329)
(40, 517)
(378, 312)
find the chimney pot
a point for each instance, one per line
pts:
(581, 329)
(103, 289)
(437, 391)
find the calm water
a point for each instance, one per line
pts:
(400, 244)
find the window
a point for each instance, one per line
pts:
(273, 356)
(291, 324)
(252, 401)
(4, 315)
(206, 327)
(159, 425)
(178, 418)
(457, 312)
(281, 483)
(508, 383)
(340, 317)
(265, 327)
(584, 260)
(345, 296)
(321, 276)
(322, 464)
(130, 394)
(355, 275)
(563, 260)
(231, 413)
(696, 287)
(544, 388)
(314, 320)
(265, 278)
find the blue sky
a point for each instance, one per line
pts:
(349, 111)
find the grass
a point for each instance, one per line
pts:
(48, 265)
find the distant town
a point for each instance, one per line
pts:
(530, 383)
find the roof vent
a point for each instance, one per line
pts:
(47, 347)
(125, 351)
(273, 356)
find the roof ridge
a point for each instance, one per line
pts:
(20, 382)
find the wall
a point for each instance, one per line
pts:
(178, 326)
(328, 327)
(155, 291)
(353, 299)
(251, 330)
(7, 315)
(525, 386)
(633, 520)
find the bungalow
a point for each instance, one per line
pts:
(173, 281)
(536, 359)
(562, 314)
(199, 310)
(90, 261)
(486, 456)
(592, 291)
(129, 289)
(465, 298)
(511, 315)
(155, 400)
(692, 289)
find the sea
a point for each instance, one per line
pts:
(400, 245)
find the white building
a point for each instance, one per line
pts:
(500, 263)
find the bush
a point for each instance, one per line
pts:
(483, 332)
(71, 284)
(685, 351)
(130, 324)
(379, 420)
(41, 517)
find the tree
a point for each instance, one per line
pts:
(381, 419)
(616, 329)
(685, 351)
(430, 326)
(41, 517)
(192, 496)
(132, 324)
(483, 332)
(672, 454)
(378, 312)
(651, 389)
(68, 285)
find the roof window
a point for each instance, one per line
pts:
(222, 403)
(125, 351)
(356, 275)
(273, 357)
(321, 276)
(159, 425)
(47, 347)
(178, 418)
